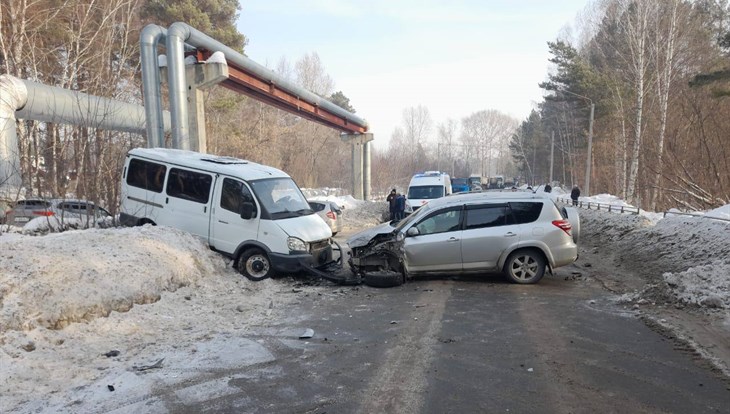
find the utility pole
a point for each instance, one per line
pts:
(552, 152)
(590, 148)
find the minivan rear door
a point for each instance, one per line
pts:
(489, 230)
(188, 195)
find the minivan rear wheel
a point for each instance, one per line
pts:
(255, 265)
(525, 266)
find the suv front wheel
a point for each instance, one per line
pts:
(525, 266)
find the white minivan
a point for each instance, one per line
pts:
(250, 212)
(426, 186)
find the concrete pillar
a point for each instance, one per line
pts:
(366, 171)
(357, 187)
(360, 163)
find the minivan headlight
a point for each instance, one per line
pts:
(297, 244)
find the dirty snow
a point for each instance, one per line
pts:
(158, 295)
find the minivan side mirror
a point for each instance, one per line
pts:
(413, 231)
(247, 210)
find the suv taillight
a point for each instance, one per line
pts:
(563, 225)
(331, 215)
(43, 213)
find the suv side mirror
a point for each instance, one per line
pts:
(413, 231)
(247, 210)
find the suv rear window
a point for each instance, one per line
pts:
(526, 212)
(487, 216)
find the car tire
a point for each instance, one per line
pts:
(255, 265)
(383, 279)
(525, 266)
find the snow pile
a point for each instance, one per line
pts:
(355, 213)
(148, 293)
(706, 285)
(55, 224)
(366, 214)
(682, 258)
(53, 281)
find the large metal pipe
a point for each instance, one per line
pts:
(51, 104)
(12, 96)
(150, 36)
(24, 99)
(181, 33)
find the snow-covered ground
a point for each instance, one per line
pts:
(85, 309)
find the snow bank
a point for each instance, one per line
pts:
(706, 285)
(148, 293)
(76, 276)
(683, 258)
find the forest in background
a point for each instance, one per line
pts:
(656, 71)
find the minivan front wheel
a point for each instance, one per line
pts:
(525, 266)
(255, 265)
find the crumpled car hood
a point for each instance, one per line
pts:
(364, 237)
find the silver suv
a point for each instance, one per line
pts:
(519, 234)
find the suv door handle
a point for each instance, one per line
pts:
(452, 239)
(510, 234)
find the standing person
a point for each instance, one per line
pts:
(391, 203)
(400, 207)
(548, 188)
(574, 194)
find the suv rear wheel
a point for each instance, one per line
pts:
(525, 266)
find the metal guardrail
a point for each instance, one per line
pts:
(626, 209)
(590, 205)
(679, 213)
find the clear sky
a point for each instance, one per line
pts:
(454, 57)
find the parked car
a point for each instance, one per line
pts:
(330, 213)
(24, 211)
(519, 234)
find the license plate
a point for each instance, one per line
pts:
(22, 219)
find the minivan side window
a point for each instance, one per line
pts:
(482, 216)
(526, 212)
(233, 194)
(147, 175)
(189, 185)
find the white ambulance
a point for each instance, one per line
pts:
(250, 212)
(426, 186)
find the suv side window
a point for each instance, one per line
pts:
(526, 212)
(147, 175)
(189, 185)
(233, 194)
(487, 215)
(441, 222)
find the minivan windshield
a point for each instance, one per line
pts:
(281, 198)
(425, 192)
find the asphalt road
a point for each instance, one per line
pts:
(466, 345)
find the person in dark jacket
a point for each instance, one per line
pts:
(400, 207)
(574, 194)
(548, 188)
(391, 203)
